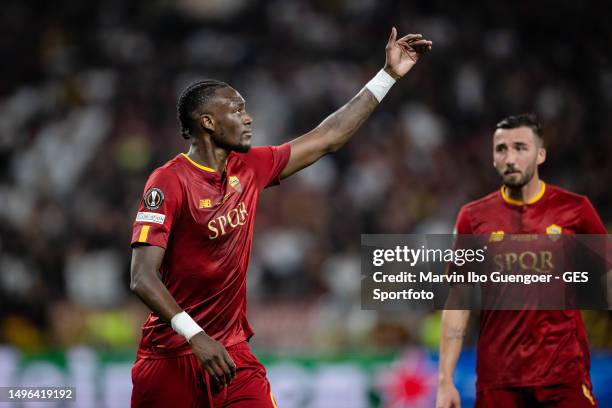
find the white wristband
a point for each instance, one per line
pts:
(380, 84)
(184, 325)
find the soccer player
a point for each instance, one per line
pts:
(526, 358)
(193, 233)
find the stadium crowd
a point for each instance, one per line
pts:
(87, 110)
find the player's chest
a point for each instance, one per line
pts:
(528, 220)
(219, 208)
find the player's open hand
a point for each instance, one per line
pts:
(402, 54)
(214, 358)
(448, 396)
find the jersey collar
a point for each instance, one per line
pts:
(199, 166)
(512, 201)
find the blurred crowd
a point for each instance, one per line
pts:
(87, 111)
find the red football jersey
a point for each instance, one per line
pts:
(531, 347)
(204, 219)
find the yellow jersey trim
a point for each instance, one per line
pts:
(517, 202)
(199, 166)
(587, 394)
(144, 233)
(273, 400)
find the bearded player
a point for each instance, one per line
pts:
(526, 358)
(193, 233)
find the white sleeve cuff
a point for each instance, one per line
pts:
(184, 325)
(380, 84)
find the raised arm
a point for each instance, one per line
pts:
(337, 128)
(146, 284)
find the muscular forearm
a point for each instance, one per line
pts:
(454, 325)
(331, 134)
(145, 283)
(150, 289)
(146, 261)
(338, 127)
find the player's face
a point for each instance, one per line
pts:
(516, 155)
(232, 122)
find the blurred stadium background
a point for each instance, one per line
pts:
(87, 110)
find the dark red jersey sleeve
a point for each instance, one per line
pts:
(590, 221)
(463, 224)
(463, 240)
(594, 255)
(158, 209)
(268, 162)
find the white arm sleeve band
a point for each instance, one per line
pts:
(380, 84)
(184, 325)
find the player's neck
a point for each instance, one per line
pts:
(205, 153)
(526, 193)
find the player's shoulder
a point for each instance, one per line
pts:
(169, 170)
(482, 202)
(473, 209)
(258, 156)
(561, 195)
(254, 152)
(245, 161)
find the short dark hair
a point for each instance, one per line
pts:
(192, 98)
(529, 120)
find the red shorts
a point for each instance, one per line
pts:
(550, 396)
(179, 382)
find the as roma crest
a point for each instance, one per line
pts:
(554, 231)
(235, 183)
(496, 236)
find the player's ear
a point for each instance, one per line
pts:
(207, 122)
(541, 155)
